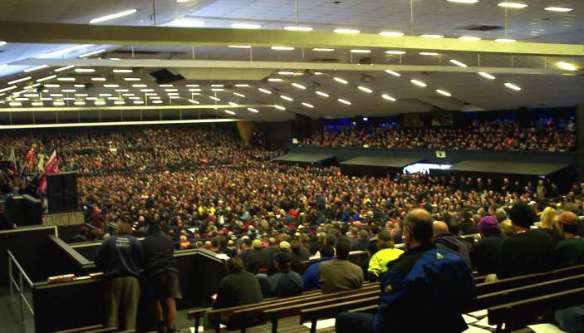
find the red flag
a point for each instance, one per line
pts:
(52, 167)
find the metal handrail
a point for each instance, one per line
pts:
(19, 285)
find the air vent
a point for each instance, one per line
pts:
(476, 27)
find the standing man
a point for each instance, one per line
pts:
(120, 258)
(161, 276)
(425, 290)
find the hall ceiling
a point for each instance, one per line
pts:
(370, 92)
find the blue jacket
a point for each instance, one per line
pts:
(425, 290)
(311, 276)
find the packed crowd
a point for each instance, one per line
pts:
(498, 135)
(131, 150)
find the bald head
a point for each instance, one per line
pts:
(568, 218)
(418, 223)
(440, 228)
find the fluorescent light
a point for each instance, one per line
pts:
(66, 79)
(299, 28)
(79, 103)
(458, 63)
(391, 33)
(559, 9)
(37, 104)
(81, 95)
(280, 107)
(265, 91)
(567, 66)
(2, 43)
(282, 48)
(322, 49)
(341, 80)
(119, 123)
(140, 85)
(308, 105)
(287, 73)
(156, 101)
(216, 86)
(443, 92)
(322, 94)
(46, 78)
(252, 110)
(419, 83)
(468, 2)
(390, 72)
(344, 101)
(52, 85)
(217, 89)
(112, 16)
(84, 70)
(388, 98)
(64, 68)
(512, 5)
(239, 46)
(20, 80)
(432, 36)
(185, 22)
(216, 99)
(195, 89)
(299, 86)
(347, 31)
(136, 102)
(469, 38)
(129, 79)
(230, 112)
(122, 90)
(105, 95)
(238, 94)
(120, 103)
(32, 69)
(15, 104)
(68, 90)
(98, 79)
(505, 40)
(360, 51)
(118, 70)
(287, 98)
(194, 101)
(241, 85)
(395, 52)
(246, 26)
(275, 79)
(113, 85)
(147, 90)
(431, 54)
(92, 53)
(58, 103)
(512, 86)
(487, 75)
(232, 103)
(365, 89)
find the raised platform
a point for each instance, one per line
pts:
(377, 165)
(510, 168)
(315, 159)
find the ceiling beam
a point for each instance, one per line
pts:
(276, 65)
(120, 123)
(65, 33)
(130, 108)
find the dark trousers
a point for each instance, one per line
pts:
(121, 302)
(350, 322)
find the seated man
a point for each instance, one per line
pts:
(570, 250)
(285, 282)
(446, 240)
(386, 254)
(528, 250)
(239, 287)
(425, 290)
(311, 276)
(339, 273)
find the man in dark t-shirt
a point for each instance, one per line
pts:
(161, 276)
(570, 250)
(527, 251)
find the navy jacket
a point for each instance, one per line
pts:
(425, 290)
(120, 256)
(311, 277)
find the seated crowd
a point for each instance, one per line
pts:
(498, 135)
(270, 219)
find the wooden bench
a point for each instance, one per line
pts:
(516, 314)
(94, 329)
(481, 302)
(255, 309)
